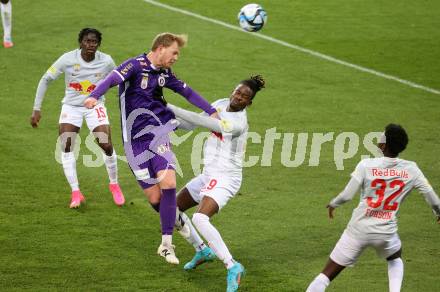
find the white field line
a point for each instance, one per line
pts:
(298, 48)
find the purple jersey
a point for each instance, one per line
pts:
(141, 97)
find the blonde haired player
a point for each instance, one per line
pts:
(146, 123)
(223, 155)
(83, 69)
(384, 184)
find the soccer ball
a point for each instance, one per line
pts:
(252, 17)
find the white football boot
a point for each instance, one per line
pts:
(168, 253)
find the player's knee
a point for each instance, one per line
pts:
(166, 184)
(107, 148)
(199, 219)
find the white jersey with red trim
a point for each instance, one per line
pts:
(81, 77)
(385, 182)
(224, 153)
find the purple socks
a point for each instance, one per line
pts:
(167, 211)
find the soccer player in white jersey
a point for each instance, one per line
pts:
(221, 177)
(384, 183)
(6, 12)
(83, 68)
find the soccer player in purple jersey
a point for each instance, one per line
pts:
(146, 122)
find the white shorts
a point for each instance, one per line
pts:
(220, 188)
(348, 249)
(75, 115)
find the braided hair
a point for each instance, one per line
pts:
(255, 83)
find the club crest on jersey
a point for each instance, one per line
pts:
(144, 82)
(161, 81)
(76, 67)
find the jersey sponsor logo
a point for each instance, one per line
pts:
(83, 87)
(161, 81)
(126, 69)
(144, 82)
(76, 67)
(390, 172)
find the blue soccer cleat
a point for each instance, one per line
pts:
(234, 277)
(203, 256)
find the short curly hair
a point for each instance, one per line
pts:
(396, 138)
(86, 31)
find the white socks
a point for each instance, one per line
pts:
(215, 241)
(395, 274)
(167, 240)
(319, 284)
(69, 166)
(6, 12)
(111, 164)
(194, 238)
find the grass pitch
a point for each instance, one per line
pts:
(277, 226)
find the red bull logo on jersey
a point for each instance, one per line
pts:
(83, 87)
(389, 172)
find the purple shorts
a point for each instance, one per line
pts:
(145, 163)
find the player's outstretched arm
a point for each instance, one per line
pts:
(423, 186)
(346, 195)
(111, 80)
(433, 200)
(196, 119)
(185, 125)
(213, 124)
(192, 96)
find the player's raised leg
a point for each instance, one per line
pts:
(203, 252)
(68, 133)
(6, 14)
(103, 137)
(207, 208)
